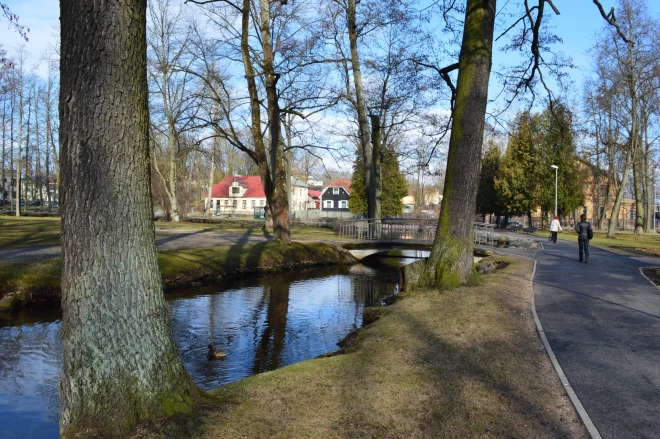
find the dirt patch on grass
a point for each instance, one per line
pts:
(462, 363)
(636, 250)
(652, 274)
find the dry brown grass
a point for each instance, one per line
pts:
(465, 363)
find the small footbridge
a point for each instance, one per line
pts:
(366, 237)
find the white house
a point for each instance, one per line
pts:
(238, 195)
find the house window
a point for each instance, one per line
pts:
(343, 204)
(254, 202)
(335, 190)
(262, 202)
(244, 204)
(235, 203)
(226, 202)
(327, 204)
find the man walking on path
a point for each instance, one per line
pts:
(585, 233)
(554, 228)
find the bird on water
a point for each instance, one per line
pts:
(215, 354)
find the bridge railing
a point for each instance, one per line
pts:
(404, 229)
(395, 229)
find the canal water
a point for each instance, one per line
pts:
(261, 323)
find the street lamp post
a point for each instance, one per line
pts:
(555, 167)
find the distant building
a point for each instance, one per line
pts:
(299, 199)
(238, 195)
(335, 197)
(314, 199)
(314, 183)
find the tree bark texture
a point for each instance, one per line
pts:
(280, 202)
(451, 262)
(120, 364)
(363, 123)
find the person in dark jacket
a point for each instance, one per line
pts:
(585, 232)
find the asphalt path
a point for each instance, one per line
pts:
(602, 320)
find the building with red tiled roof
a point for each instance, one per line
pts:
(238, 195)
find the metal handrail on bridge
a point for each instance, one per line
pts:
(404, 229)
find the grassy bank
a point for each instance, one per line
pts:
(39, 281)
(36, 231)
(625, 243)
(461, 363)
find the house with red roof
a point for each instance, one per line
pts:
(335, 196)
(315, 199)
(238, 195)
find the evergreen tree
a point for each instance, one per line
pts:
(488, 198)
(527, 181)
(519, 182)
(395, 186)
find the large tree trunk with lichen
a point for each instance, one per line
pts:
(450, 262)
(120, 364)
(361, 108)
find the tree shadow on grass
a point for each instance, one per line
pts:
(448, 399)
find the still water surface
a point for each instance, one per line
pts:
(261, 323)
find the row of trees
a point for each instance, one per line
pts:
(617, 155)
(29, 133)
(621, 103)
(110, 282)
(521, 180)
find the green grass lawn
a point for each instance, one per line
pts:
(29, 231)
(36, 231)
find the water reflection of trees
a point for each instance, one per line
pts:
(268, 355)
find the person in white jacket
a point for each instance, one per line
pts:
(554, 228)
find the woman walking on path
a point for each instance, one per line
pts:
(585, 233)
(554, 228)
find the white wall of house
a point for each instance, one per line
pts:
(299, 198)
(240, 206)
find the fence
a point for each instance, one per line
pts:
(411, 229)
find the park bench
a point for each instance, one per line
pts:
(529, 230)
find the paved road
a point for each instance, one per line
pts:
(602, 320)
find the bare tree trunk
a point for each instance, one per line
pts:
(211, 172)
(171, 175)
(451, 260)
(280, 202)
(614, 216)
(378, 178)
(363, 123)
(639, 189)
(120, 364)
(20, 141)
(11, 153)
(4, 154)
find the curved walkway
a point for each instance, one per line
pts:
(602, 321)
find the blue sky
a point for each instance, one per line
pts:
(578, 25)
